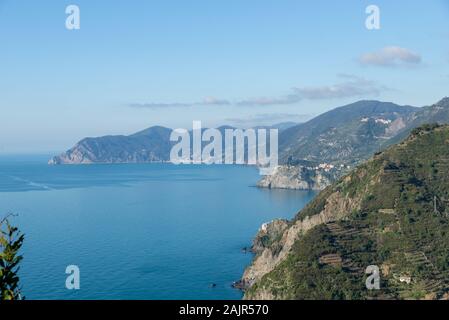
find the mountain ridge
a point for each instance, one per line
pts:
(341, 137)
(148, 145)
(344, 134)
(349, 145)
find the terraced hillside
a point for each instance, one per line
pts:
(391, 212)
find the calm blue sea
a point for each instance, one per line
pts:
(137, 231)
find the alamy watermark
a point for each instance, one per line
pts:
(239, 146)
(72, 282)
(372, 22)
(73, 20)
(373, 280)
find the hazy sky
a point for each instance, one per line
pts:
(134, 64)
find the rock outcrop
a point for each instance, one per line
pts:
(298, 178)
(275, 239)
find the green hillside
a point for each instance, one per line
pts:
(392, 212)
(345, 134)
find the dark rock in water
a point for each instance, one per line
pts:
(240, 285)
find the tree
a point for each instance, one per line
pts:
(11, 240)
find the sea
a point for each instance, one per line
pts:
(137, 231)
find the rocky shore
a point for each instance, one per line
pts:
(297, 178)
(274, 239)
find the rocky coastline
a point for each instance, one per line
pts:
(298, 178)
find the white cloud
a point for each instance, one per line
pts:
(212, 101)
(391, 57)
(269, 118)
(353, 86)
(209, 101)
(349, 86)
(268, 101)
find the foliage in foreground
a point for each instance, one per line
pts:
(11, 240)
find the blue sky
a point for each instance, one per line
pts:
(134, 64)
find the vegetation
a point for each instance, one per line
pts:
(401, 225)
(11, 240)
(340, 136)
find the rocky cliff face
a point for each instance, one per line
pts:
(278, 236)
(298, 178)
